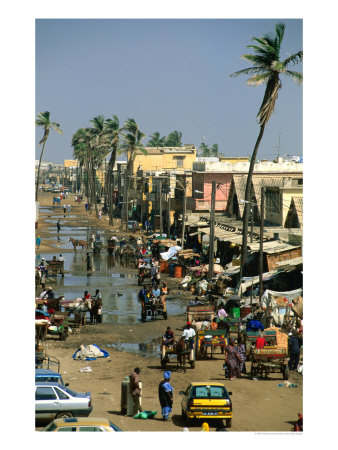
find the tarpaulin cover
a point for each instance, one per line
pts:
(90, 353)
(170, 253)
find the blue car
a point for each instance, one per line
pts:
(50, 376)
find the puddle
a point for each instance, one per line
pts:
(152, 348)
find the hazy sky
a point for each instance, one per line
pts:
(167, 75)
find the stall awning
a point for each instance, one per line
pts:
(271, 247)
(290, 263)
(223, 235)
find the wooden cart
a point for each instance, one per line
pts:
(207, 341)
(55, 267)
(200, 313)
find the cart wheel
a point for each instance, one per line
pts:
(192, 364)
(286, 372)
(228, 423)
(64, 414)
(63, 336)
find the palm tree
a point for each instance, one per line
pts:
(174, 139)
(156, 141)
(43, 120)
(112, 133)
(204, 149)
(266, 69)
(214, 150)
(130, 145)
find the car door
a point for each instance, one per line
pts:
(47, 405)
(185, 398)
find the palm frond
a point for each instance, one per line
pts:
(296, 76)
(295, 58)
(259, 79)
(247, 71)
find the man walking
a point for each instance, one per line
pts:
(165, 394)
(68, 208)
(135, 389)
(58, 226)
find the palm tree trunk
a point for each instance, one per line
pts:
(248, 199)
(38, 177)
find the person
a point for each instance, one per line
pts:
(64, 208)
(213, 325)
(254, 325)
(241, 351)
(156, 293)
(260, 341)
(164, 292)
(58, 226)
(165, 394)
(48, 294)
(143, 294)
(232, 360)
(153, 273)
(168, 337)
(86, 295)
(38, 242)
(135, 389)
(61, 258)
(100, 213)
(295, 342)
(68, 208)
(96, 311)
(43, 267)
(86, 206)
(188, 335)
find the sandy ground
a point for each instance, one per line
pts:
(257, 405)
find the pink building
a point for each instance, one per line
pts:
(202, 182)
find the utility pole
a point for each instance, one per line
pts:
(161, 217)
(251, 210)
(261, 244)
(125, 200)
(184, 212)
(212, 231)
(142, 206)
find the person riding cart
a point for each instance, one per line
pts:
(189, 336)
(168, 337)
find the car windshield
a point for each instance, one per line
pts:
(114, 427)
(209, 392)
(50, 427)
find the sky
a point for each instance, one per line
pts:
(167, 74)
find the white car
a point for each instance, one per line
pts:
(55, 401)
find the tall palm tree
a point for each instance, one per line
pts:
(266, 69)
(43, 120)
(132, 142)
(204, 149)
(156, 140)
(112, 133)
(214, 150)
(174, 139)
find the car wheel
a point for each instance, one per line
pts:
(64, 414)
(228, 423)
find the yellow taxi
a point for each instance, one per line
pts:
(81, 424)
(206, 400)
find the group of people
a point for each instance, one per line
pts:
(155, 295)
(165, 393)
(94, 303)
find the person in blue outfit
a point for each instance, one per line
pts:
(165, 394)
(254, 325)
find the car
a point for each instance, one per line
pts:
(49, 376)
(55, 401)
(81, 424)
(206, 400)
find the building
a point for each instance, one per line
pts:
(165, 159)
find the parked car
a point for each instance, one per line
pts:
(81, 424)
(50, 376)
(207, 400)
(55, 401)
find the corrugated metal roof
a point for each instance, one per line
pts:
(272, 246)
(223, 235)
(290, 262)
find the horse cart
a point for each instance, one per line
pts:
(200, 313)
(184, 351)
(207, 341)
(51, 325)
(154, 309)
(271, 358)
(97, 246)
(55, 267)
(144, 275)
(111, 246)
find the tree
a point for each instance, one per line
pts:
(214, 150)
(174, 139)
(205, 150)
(43, 120)
(131, 143)
(112, 132)
(266, 69)
(156, 141)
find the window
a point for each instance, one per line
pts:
(90, 429)
(67, 429)
(44, 393)
(179, 160)
(61, 394)
(209, 392)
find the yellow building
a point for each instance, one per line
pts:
(70, 163)
(165, 158)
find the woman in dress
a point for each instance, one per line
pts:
(232, 360)
(241, 351)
